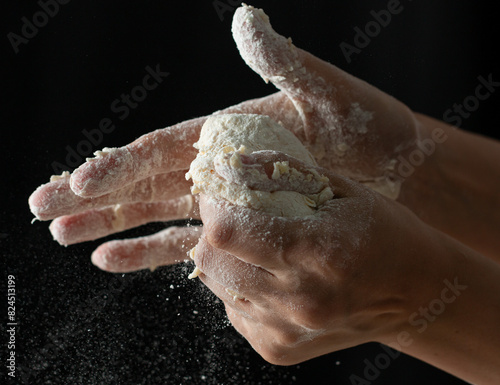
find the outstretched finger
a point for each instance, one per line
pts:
(94, 224)
(167, 247)
(56, 198)
(165, 150)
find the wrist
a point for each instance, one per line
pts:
(451, 183)
(454, 325)
(420, 168)
(416, 260)
(425, 279)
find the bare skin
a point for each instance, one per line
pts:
(456, 191)
(367, 270)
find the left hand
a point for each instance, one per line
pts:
(349, 126)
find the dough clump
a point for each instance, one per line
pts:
(224, 139)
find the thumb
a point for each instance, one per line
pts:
(294, 71)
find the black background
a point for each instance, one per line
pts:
(79, 325)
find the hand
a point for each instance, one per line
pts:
(348, 125)
(297, 288)
(363, 268)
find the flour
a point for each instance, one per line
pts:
(226, 139)
(336, 127)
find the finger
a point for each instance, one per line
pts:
(280, 342)
(280, 172)
(247, 234)
(240, 320)
(326, 96)
(239, 304)
(56, 198)
(270, 171)
(272, 340)
(94, 224)
(262, 239)
(165, 150)
(240, 278)
(275, 58)
(167, 247)
(244, 307)
(311, 83)
(259, 335)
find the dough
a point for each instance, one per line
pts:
(225, 138)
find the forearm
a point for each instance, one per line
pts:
(457, 328)
(457, 188)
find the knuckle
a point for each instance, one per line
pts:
(202, 255)
(218, 234)
(286, 339)
(312, 320)
(313, 314)
(277, 354)
(273, 354)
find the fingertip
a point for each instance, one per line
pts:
(106, 172)
(265, 51)
(42, 203)
(119, 256)
(75, 182)
(35, 206)
(122, 256)
(58, 229)
(274, 57)
(98, 260)
(84, 181)
(36, 201)
(105, 259)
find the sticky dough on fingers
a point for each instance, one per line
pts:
(161, 151)
(166, 247)
(56, 198)
(94, 224)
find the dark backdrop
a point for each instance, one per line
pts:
(78, 325)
